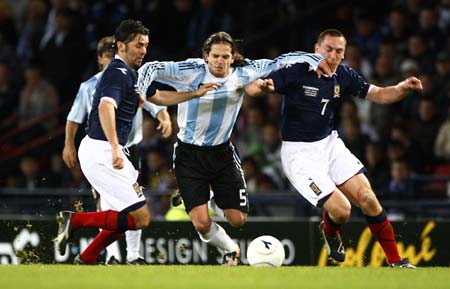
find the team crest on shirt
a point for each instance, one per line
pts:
(239, 87)
(315, 188)
(337, 91)
(138, 189)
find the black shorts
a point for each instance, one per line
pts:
(218, 168)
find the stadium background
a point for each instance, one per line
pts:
(405, 146)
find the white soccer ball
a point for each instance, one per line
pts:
(265, 251)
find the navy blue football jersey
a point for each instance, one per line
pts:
(309, 102)
(119, 83)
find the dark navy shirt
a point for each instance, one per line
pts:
(309, 102)
(118, 82)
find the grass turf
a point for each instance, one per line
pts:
(218, 277)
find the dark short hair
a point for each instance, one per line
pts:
(224, 38)
(105, 45)
(330, 32)
(128, 29)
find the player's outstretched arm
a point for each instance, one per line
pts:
(391, 94)
(260, 86)
(171, 98)
(69, 154)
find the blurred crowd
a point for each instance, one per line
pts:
(47, 48)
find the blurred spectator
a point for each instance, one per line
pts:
(442, 82)
(152, 139)
(428, 26)
(257, 151)
(350, 110)
(50, 24)
(425, 128)
(380, 116)
(7, 25)
(354, 60)
(37, 98)
(32, 31)
(8, 96)
(158, 173)
(398, 185)
(64, 55)
(271, 142)
(353, 138)
(403, 146)
(377, 166)
(419, 51)
(209, 17)
(254, 121)
(444, 15)
(30, 177)
(367, 36)
(442, 144)
(255, 180)
(398, 29)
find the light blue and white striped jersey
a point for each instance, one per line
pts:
(83, 103)
(209, 120)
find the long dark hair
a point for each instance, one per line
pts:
(224, 38)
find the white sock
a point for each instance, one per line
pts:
(218, 211)
(113, 250)
(219, 239)
(133, 238)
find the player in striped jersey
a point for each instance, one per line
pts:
(204, 158)
(78, 114)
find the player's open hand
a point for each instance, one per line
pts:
(204, 88)
(411, 83)
(69, 156)
(165, 127)
(117, 158)
(323, 68)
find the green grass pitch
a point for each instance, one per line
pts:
(218, 277)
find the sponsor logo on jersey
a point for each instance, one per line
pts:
(310, 90)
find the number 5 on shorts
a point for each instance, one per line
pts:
(243, 198)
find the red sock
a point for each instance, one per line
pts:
(107, 220)
(330, 228)
(383, 232)
(101, 241)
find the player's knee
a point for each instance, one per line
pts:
(143, 220)
(202, 225)
(237, 220)
(342, 214)
(368, 200)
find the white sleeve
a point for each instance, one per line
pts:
(80, 106)
(152, 108)
(176, 74)
(263, 67)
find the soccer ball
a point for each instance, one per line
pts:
(265, 251)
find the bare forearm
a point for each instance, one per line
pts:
(171, 98)
(253, 89)
(387, 95)
(71, 131)
(163, 115)
(107, 115)
(394, 93)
